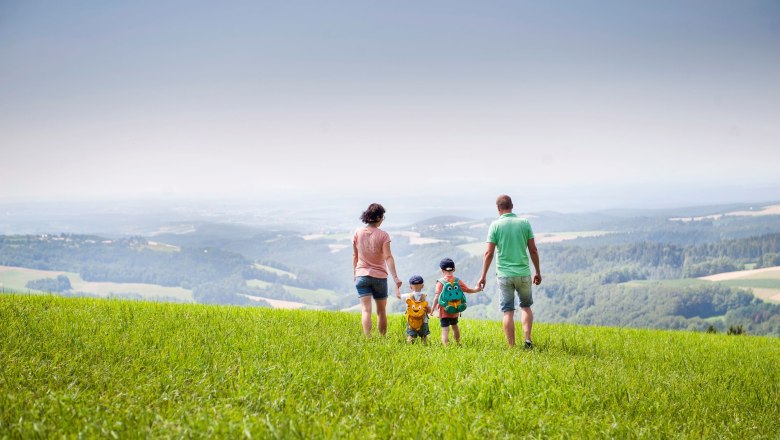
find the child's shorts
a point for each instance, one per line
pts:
(424, 331)
(446, 322)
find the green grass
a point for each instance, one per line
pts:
(110, 368)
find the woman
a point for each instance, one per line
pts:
(371, 257)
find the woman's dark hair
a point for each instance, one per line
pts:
(373, 214)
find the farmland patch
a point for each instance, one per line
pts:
(16, 278)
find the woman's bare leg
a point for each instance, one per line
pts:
(365, 303)
(381, 316)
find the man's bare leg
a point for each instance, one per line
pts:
(509, 327)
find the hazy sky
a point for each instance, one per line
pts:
(259, 98)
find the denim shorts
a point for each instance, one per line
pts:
(507, 288)
(376, 287)
(424, 331)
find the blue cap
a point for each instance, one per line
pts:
(447, 264)
(416, 279)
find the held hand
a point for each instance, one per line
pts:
(481, 284)
(538, 279)
(398, 282)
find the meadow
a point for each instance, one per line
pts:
(311, 297)
(478, 248)
(113, 368)
(764, 282)
(16, 279)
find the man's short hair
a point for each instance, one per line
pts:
(504, 202)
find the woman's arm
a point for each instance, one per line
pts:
(391, 263)
(354, 259)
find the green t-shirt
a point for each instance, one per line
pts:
(511, 234)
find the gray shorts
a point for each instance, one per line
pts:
(424, 331)
(507, 288)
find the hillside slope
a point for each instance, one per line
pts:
(129, 369)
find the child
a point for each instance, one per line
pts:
(449, 313)
(417, 310)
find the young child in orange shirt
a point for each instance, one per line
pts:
(450, 282)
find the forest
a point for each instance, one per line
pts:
(620, 278)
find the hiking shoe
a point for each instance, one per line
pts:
(528, 345)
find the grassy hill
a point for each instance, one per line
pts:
(111, 368)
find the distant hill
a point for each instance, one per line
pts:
(599, 268)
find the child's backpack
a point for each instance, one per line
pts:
(415, 312)
(452, 299)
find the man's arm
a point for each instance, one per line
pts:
(535, 259)
(488, 258)
(391, 263)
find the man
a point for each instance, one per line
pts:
(511, 235)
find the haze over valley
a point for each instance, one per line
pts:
(660, 268)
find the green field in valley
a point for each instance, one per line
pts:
(79, 367)
(308, 296)
(16, 279)
(682, 282)
(767, 289)
(757, 283)
(478, 248)
(474, 249)
(764, 282)
(274, 270)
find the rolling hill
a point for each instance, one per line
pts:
(112, 368)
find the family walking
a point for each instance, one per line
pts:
(510, 241)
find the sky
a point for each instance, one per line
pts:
(576, 103)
